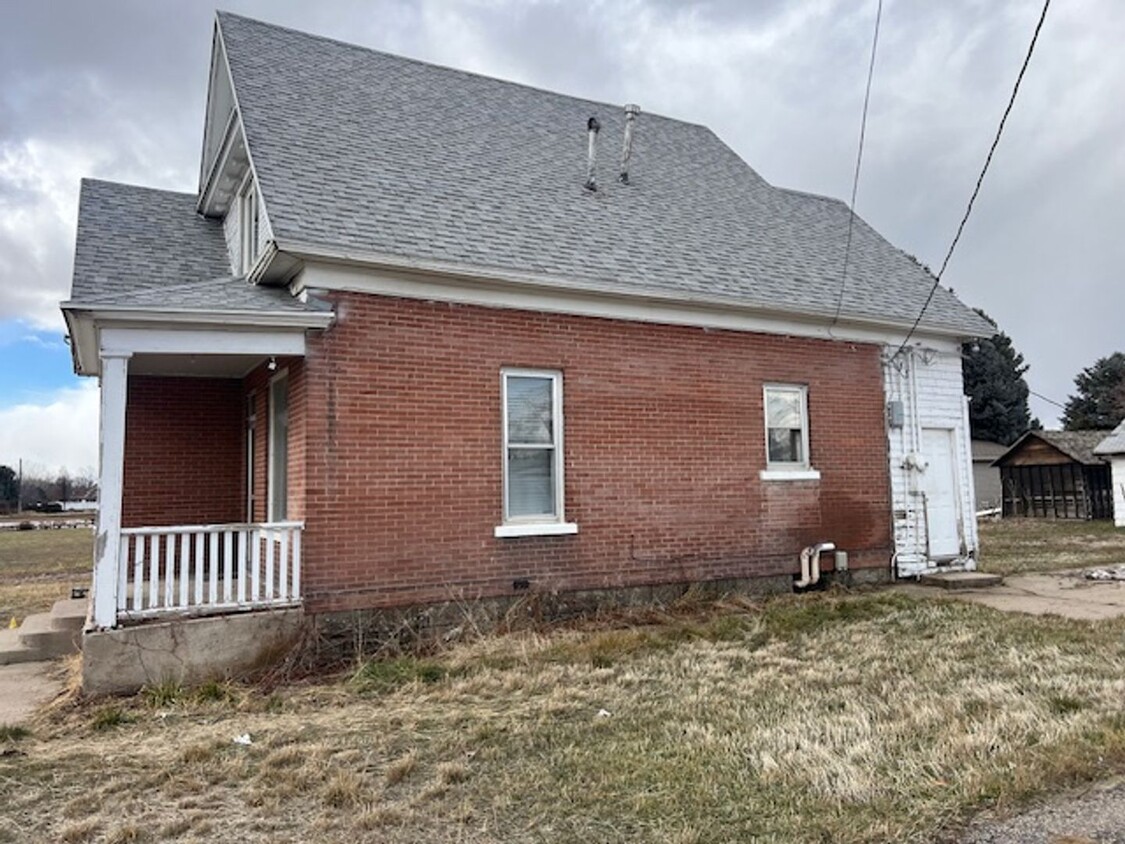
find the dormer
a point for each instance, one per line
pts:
(228, 188)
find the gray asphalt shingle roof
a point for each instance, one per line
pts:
(144, 248)
(1077, 445)
(356, 149)
(1114, 443)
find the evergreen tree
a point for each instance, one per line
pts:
(9, 488)
(993, 378)
(1100, 401)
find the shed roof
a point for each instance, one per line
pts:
(361, 151)
(1114, 443)
(985, 451)
(1077, 445)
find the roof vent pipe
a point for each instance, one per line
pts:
(592, 127)
(631, 112)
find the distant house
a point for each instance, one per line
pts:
(1113, 449)
(986, 476)
(1056, 475)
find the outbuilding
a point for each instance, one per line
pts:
(1056, 475)
(1113, 449)
(986, 477)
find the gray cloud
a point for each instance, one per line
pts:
(116, 90)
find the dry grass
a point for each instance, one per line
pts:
(1015, 546)
(861, 718)
(38, 567)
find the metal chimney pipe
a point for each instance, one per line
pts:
(631, 112)
(592, 127)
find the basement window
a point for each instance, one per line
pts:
(787, 433)
(533, 454)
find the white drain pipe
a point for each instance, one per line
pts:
(810, 564)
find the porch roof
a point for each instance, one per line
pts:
(145, 249)
(145, 258)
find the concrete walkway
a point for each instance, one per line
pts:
(1065, 593)
(25, 687)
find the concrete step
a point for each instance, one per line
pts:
(38, 633)
(12, 650)
(69, 614)
(961, 579)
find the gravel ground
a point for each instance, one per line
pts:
(1094, 815)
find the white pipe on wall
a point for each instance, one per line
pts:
(810, 564)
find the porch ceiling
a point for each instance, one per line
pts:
(195, 366)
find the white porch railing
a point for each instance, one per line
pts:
(208, 568)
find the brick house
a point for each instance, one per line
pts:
(416, 337)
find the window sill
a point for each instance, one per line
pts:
(535, 529)
(789, 475)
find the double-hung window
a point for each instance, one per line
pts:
(533, 454)
(787, 433)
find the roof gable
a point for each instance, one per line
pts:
(360, 151)
(1039, 446)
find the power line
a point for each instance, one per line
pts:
(1049, 401)
(980, 178)
(858, 162)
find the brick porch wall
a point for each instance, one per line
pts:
(183, 451)
(664, 439)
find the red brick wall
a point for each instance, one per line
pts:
(664, 440)
(183, 451)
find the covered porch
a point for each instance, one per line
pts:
(201, 471)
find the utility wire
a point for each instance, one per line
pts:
(858, 162)
(1049, 401)
(980, 178)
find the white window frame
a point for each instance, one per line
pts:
(249, 223)
(537, 525)
(271, 441)
(251, 447)
(777, 470)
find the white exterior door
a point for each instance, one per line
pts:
(939, 483)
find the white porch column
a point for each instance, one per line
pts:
(111, 451)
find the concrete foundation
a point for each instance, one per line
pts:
(354, 634)
(185, 651)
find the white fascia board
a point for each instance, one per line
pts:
(88, 328)
(220, 165)
(503, 289)
(195, 341)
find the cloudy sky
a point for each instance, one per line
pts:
(116, 90)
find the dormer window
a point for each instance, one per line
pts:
(248, 223)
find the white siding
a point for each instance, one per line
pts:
(928, 383)
(234, 239)
(232, 232)
(1118, 464)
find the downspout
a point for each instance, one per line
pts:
(921, 524)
